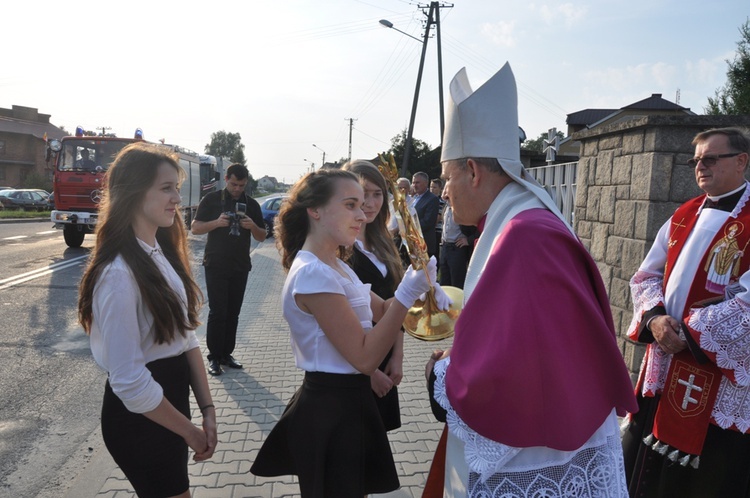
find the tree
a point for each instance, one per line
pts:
(734, 96)
(229, 145)
(537, 144)
(420, 159)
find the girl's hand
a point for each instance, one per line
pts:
(380, 383)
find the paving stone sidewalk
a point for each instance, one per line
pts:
(250, 401)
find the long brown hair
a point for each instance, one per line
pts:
(131, 175)
(377, 235)
(292, 225)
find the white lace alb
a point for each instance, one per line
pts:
(594, 470)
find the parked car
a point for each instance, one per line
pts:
(270, 208)
(25, 199)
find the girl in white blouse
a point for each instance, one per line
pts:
(140, 305)
(331, 435)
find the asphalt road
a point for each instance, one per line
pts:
(50, 386)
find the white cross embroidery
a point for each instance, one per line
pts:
(689, 388)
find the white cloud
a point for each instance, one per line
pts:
(566, 13)
(501, 33)
(656, 75)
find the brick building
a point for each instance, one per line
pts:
(22, 146)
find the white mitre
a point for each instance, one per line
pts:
(484, 123)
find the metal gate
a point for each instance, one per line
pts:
(560, 182)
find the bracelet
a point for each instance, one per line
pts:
(207, 406)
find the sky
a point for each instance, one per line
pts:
(289, 74)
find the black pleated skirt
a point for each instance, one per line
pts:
(153, 458)
(332, 437)
(388, 405)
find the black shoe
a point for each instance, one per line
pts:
(231, 362)
(214, 368)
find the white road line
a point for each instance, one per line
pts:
(47, 232)
(16, 237)
(25, 277)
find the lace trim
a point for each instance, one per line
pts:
(483, 456)
(592, 472)
(741, 203)
(725, 331)
(647, 291)
(596, 470)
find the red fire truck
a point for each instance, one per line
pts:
(79, 165)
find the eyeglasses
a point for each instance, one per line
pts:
(709, 161)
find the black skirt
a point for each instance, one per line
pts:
(153, 458)
(332, 437)
(388, 406)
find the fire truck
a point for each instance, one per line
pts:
(80, 163)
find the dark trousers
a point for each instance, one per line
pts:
(226, 290)
(453, 263)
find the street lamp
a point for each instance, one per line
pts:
(433, 17)
(324, 154)
(389, 24)
(312, 165)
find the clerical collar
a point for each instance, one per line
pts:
(725, 202)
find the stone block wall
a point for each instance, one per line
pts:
(631, 177)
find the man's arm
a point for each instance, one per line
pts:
(432, 206)
(201, 227)
(248, 224)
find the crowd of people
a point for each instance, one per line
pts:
(531, 401)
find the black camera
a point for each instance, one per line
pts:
(234, 218)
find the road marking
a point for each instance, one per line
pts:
(16, 237)
(25, 277)
(47, 232)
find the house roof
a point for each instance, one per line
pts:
(36, 129)
(655, 102)
(588, 116)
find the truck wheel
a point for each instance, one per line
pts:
(73, 236)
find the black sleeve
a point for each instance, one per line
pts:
(254, 212)
(470, 232)
(437, 410)
(694, 348)
(644, 334)
(208, 209)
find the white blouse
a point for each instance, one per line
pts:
(122, 332)
(313, 352)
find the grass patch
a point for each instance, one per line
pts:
(17, 213)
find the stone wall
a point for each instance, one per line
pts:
(631, 177)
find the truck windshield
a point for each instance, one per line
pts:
(88, 155)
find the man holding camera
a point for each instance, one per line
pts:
(229, 217)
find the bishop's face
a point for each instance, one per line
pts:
(457, 190)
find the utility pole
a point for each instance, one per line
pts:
(351, 125)
(433, 17)
(104, 129)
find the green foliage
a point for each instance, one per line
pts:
(225, 144)
(734, 97)
(421, 158)
(35, 180)
(537, 144)
(230, 145)
(238, 156)
(17, 213)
